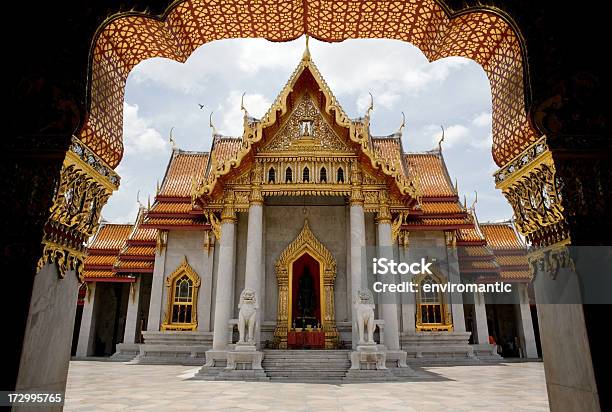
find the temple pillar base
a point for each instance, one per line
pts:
(369, 363)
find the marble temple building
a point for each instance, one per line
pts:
(292, 210)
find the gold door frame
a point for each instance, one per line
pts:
(306, 243)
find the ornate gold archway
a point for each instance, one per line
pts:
(306, 243)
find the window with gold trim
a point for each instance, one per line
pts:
(182, 287)
(272, 175)
(432, 312)
(340, 177)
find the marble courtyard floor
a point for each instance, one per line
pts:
(106, 386)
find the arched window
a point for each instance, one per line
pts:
(306, 175)
(323, 175)
(288, 175)
(182, 304)
(182, 290)
(271, 175)
(340, 178)
(431, 311)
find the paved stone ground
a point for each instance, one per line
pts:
(105, 386)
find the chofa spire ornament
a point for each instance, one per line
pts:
(171, 139)
(441, 139)
(306, 55)
(211, 125)
(401, 128)
(371, 107)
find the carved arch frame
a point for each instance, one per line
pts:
(183, 269)
(306, 243)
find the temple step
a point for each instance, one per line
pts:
(306, 365)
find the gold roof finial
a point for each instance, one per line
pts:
(157, 187)
(306, 55)
(211, 125)
(441, 139)
(171, 139)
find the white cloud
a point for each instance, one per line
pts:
(138, 136)
(258, 54)
(483, 119)
(231, 115)
(454, 135)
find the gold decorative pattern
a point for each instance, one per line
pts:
(306, 243)
(481, 34)
(322, 137)
(529, 184)
(86, 182)
(551, 259)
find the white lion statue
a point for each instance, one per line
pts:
(247, 316)
(365, 316)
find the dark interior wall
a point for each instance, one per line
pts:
(110, 313)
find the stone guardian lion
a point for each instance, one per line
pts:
(365, 316)
(247, 316)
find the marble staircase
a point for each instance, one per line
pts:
(317, 366)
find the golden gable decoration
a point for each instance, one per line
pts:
(306, 130)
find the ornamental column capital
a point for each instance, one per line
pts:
(228, 214)
(384, 211)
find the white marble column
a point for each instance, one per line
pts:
(481, 334)
(45, 352)
(389, 301)
(87, 329)
(131, 318)
(454, 277)
(225, 280)
(408, 299)
(157, 284)
(254, 257)
(357, 241)
(527, 335)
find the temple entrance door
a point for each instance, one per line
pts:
(306, 274)
(306, 293)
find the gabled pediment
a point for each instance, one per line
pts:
(307, 119)
(305, 130)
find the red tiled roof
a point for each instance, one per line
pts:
(501, 236)
(170, 207)
(110, 236)
(440, 207)
(225, 148)
(182, 169)
(430, 170)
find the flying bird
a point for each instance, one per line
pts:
(201, 106)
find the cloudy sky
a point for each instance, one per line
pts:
(162, 94)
